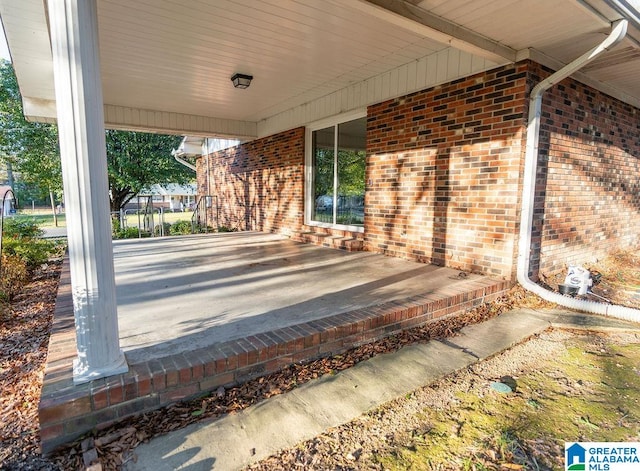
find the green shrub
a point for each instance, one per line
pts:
(127, 233)
(180, 228)
(15, 228)
(34, 252)
(115, 226)
(13, 276)
(227, 229)
(166, 226)
(21, 239)
(22, 252)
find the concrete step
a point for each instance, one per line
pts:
(350, 244)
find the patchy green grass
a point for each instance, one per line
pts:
(168, 217)
(42, 219)
(45, 219)
(589, 393)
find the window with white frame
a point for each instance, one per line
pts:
(336, 165)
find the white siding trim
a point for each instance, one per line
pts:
(553, 64)
(435, 69)
(134, 119)
(336, 119)
(38, 110)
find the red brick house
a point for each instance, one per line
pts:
(443, 176)
(500, 137)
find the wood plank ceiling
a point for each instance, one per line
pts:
(295, 50)
(178, 55)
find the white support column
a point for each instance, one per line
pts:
(74, 38)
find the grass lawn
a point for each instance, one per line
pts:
(45, 219)
(41, 218)
(169, 217)
(589, 391)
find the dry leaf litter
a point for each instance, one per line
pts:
(24, 337)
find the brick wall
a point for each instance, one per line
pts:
(258, 185)
(589, 176)
(443, 173)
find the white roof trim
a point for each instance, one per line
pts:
(554, 64)
(164, 122)
(120, 117)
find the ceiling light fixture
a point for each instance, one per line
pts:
(241, 80)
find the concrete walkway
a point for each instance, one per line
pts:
(234, 441)
(54, 232)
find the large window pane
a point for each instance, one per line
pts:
(323, 174)
(351, 167)
(339, 160)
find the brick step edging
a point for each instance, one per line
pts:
(67, 415)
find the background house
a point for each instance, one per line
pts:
(171, 197)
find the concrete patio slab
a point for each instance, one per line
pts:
(181, 293)
(199, 312)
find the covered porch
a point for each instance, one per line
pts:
(168, 68)
(199, 312)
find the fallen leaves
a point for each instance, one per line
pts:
(24, 334)
(25, 326)
(227, 401)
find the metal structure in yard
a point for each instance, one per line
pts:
(15, 204)
(200, 217)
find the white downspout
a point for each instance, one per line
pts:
(176, 156)
(618, 32)
(206, 143)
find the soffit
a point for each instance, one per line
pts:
(178, 55)
(559, 30)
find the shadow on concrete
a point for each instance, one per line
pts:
(176, 295)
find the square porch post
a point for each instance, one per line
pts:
(76, 63)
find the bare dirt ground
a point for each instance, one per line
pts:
(461, 423)
(24, 333)
(619, 282)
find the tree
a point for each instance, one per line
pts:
(351, 172)
(138, 160)
(135, 160)
(30, 149)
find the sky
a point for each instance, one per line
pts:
(4, 51)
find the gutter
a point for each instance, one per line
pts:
(618, 32)
(626, 9)
(176, 155)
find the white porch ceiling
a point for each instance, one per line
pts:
(166, 64)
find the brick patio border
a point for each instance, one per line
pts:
(67, 411)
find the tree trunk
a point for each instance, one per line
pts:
(53, 207)
(119, 198)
